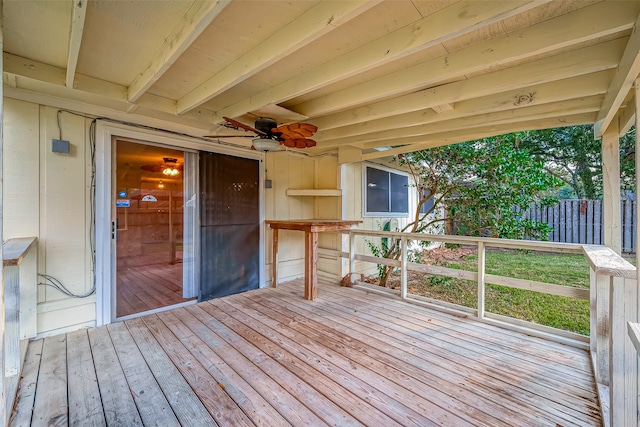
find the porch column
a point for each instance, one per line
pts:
(611, 187)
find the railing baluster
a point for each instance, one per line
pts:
(352, 253)
(403, 267)
(481, 262)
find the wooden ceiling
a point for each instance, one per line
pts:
(406, 74)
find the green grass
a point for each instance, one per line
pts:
(561, 269)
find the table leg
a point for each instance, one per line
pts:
(274, 266)
(311, 265)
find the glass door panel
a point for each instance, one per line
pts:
(149, 204)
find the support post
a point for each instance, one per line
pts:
(481, 284)
(611, 187)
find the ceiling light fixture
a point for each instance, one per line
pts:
(170, 166)
(266, 144)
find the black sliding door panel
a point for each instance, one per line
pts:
(230, 225)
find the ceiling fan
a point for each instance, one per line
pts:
(169, 167)
(269, 135)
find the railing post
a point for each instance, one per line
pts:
(481, 263)
(403, 267)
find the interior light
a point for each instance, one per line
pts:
(160, 184)
(170, 166)
(266, 144)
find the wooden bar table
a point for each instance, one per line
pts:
(311, 228)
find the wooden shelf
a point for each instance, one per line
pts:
(319, 192)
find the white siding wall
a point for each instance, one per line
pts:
(47, 195)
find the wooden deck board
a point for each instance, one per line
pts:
(85, 405)
(270, 358)
(184, 402)
(153, 407)
(50, 406)
(117, 399)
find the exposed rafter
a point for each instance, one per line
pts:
(574, 106)
(546, 93)
(627, 72)
(583, 61)
(75, 39)
(49, 80)
(199, 16)
(455, 20)
(313, 24)
(453, 137)
(596, 21)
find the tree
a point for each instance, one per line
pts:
(479, 183)
(574, 156)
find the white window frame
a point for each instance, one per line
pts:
(365, 213)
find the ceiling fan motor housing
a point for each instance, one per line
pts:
(265, 124)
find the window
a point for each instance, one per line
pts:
(428, 204)
(386, 192)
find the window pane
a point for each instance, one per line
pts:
(427, 205)
(399, 193)
(377, 190)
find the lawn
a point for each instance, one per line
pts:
(561, 269)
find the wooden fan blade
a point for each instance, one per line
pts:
(296, 130)
(299, 143)
(243, 126)
(152, 168)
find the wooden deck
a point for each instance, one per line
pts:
(147, 287)
(270, 358)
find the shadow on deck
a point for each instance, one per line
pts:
(270, 358)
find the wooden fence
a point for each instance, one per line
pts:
(580, 221)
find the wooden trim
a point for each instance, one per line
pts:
(443, 271)
(378, 260)
(573, 248)
(14, 250)
(532, 285)
(605, 261)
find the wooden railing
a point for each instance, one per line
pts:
(613, 296)
(19, 319)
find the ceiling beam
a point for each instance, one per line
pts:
(460, 18)
(75, 39)
(454, 137)
(27, 74)
(311, 25)
(546, 93)
(197, 18)
(570, 107)
(583, 61)
(628, 71)
(589, 23)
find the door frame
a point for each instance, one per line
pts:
(106, 133)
